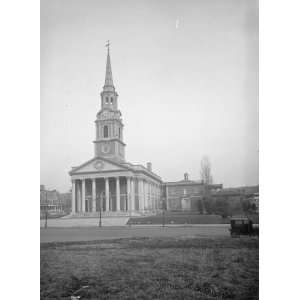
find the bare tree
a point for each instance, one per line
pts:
(205, 171)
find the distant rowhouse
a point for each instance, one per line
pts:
(53, 201)
(50, 200)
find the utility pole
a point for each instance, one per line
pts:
(46, 215)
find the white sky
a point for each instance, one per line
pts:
(187, 77)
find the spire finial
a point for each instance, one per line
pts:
(108, 74)
(107, 45)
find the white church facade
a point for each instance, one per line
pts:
(107, 180)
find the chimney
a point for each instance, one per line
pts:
(186, 176)
(149, 166)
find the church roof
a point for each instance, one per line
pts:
(110, 165)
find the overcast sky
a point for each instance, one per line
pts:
(187, 77)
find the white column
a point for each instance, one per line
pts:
(150, 196)
(132, 189)
(106, 194)
(158, 196)
(93, 194)
(141, 195)
(118, 193)
(146, 195)
(129, 206)
(73, 197)
(167, 197)
(78, 197)
(83, 194)
(155, 197)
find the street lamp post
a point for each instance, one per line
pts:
(163, 206)
(130, 208)
(100, 213)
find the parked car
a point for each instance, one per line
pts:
(242, 226)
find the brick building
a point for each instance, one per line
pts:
(186, 195)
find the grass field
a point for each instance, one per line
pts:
(184, 218)
(151, 268)
(179, 218)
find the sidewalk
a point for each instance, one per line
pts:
(85, 222)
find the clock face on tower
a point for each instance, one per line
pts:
(105, 148)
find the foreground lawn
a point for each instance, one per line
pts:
(185, 218)
(179, 218)
(151, 268)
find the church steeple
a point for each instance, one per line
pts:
(108, 85)
(109, 126)
(109, 96)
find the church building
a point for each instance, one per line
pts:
(108, 180)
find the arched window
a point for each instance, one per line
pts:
(119, 132)
(105, 131)
(111, 100)
(106, 99)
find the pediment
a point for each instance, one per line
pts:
(97, 165)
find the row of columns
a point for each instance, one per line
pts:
(144, 197)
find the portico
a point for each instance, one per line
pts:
(113, 194)
(114, 186)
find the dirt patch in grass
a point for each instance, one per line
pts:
(151, 268)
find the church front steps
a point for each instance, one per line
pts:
(108, 214)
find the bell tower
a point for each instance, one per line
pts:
(109, 126)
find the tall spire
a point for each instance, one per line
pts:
(108, 74)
